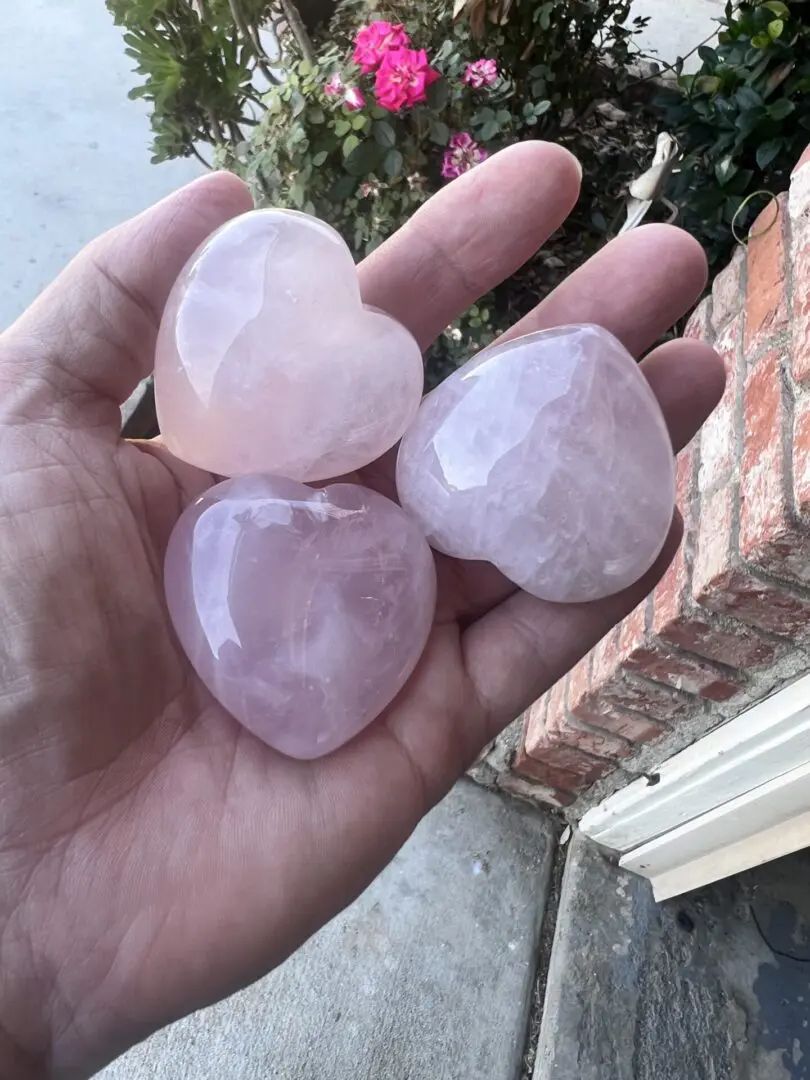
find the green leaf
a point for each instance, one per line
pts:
(781, 108)
(297, 103)
(775, 28)
(438, 95)
(761, 41)
(767, 151)
(316, 115)
(364, 159)
(541, 108)
(538, 87)
(343, 187)
(383, 133)
(393, 163)
(599, 221)
(350, 143)
(748, 98)
(489, 130)
(777, 8)
(704, 84)
(319, 158)
(725, 170)
(359, 123)
(342, 127)
(439, 133)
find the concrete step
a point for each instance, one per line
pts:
(428, 976)
(712, 986)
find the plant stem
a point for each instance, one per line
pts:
(215, 128)
(296, 26)
(200, 158)
(250, 36)
(669, 67)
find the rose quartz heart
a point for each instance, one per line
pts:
(303, 611)
(268, 362)
(550, 458)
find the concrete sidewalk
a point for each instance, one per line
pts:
(428, 976)
(75, 155)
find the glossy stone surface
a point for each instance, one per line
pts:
(303, 611)
(550, 458)
(267, 361)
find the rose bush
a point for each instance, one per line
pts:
(365, 120)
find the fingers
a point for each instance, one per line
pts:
(472, 235)
(638, 286)
(523, 646)
(688, 378)
(90, 336)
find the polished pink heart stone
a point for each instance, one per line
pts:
(268, 362)
(303, 611)
(550, 458)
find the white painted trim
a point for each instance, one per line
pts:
(738, 798)
(769, 807)
(761, 744)
(762, 847)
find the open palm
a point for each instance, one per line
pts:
(154, 856)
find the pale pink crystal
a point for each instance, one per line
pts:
(267, 360)
(303, 611)
(550, 458)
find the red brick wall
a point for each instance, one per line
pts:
(730, 621)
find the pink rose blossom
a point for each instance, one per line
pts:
(373, 41)
(462, 154)
(334, 87)
(403, 78)
(354, 98)
(481, 73)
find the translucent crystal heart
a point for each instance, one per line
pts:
(303, 611)
(550, 458)
(267, 360)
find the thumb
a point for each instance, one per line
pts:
(91, 334)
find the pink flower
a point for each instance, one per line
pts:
(403, 78)
(334, 87)
(373, 41)
(354, 98)
(481, 73)
(462, 154)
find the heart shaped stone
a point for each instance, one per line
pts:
(549, 457)
(303, 611)
(268, 362)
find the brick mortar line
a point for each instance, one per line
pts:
(738, 434)
(786, 391)
(586, 725)
(720, 668)
(631, 710)
(686, 696)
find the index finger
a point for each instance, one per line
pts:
(477, 231)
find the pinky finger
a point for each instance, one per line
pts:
(524, 645)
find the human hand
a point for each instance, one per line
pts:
(155, 856)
